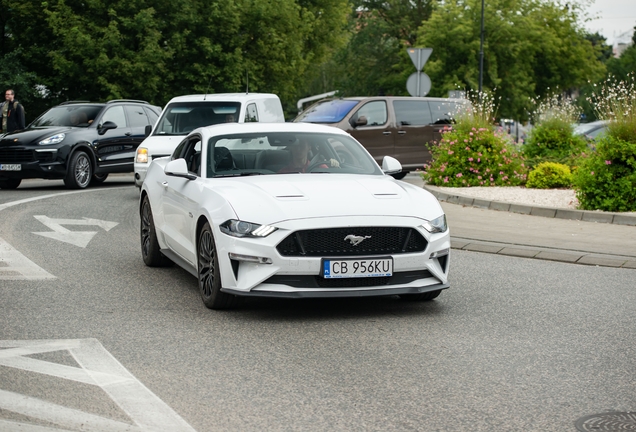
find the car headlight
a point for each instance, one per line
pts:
(55, 139)
(142, 155)
(437, 225)
(237, 228)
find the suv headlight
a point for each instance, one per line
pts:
(237, 228)
(55, 139)
(437, 225)
(142, 155)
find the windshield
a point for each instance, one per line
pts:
(68, 115)
(287, 153)
(180, 118)
(330, 111)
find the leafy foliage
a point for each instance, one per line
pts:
(530, 48)
(606, 180)
(471, 153)
(553, 140)
(549, 175)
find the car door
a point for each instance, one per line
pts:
(180, 201)
(137, 121)
(114, 148)
(377, 134)
(414, 131)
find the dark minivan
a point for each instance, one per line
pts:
(389, 125)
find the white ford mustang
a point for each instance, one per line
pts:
(291, 210)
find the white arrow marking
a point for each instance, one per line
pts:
(95, 366)
(77, 238)
(15, 266)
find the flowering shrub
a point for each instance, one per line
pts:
(552, 138)
(606, 180)
(471, 153)
(548, 175)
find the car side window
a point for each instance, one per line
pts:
(116, 115)
(375, 112)
(251, 113)
(412, 113)
(136, 116)
(152, 116)
(443, 112)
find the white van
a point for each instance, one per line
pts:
(183, 114)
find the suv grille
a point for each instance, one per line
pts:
(331, 242)
(11, 156)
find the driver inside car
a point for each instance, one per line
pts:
(300, 161)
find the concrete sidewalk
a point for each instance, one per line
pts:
(573, 236)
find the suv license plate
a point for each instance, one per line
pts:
(10, 167)
(357, 268)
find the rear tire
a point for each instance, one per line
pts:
(150, 251)
(11, 183)
(428, 296)
(400, 175)
(210, 275)
(79, 171)
(99, 179)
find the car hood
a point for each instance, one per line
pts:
(276, 198)
(31, 136)
(162, 144)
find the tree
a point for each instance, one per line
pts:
(532, 48)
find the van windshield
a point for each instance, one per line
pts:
(181, 118)
(329, 111)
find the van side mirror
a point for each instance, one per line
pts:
(106, 126)
(147, 130)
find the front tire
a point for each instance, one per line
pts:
(209, 273)
(10, 183)
(428, 296)
(150, 251)
(400, 175)
(79, 172)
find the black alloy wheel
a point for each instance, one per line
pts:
(80, 171)
(209, 274)
(150, 251)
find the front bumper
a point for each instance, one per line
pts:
(299, 276)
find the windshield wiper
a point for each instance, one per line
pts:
(243, 174)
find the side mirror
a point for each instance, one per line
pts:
(390, 165)
(178, 168)
(147, 130)
(360, 121)
(106, 126)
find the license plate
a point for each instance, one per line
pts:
(10, 167)
(356, 268)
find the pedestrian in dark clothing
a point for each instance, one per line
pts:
(12, 113)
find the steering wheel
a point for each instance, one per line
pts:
(313, 166)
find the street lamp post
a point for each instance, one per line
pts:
(481, 51)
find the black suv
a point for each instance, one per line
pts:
(79, 142)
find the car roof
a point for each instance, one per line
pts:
(361, 98)
(238, 128)
(225, 97)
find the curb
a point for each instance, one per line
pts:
(549, 212)
(548, 254)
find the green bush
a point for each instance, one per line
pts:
(606, 180)
(553, 140)
(471, 156)
(549, 175)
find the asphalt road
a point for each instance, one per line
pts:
(514, 345)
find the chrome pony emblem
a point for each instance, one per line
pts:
(355, 240)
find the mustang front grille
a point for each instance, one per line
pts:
(356, 241)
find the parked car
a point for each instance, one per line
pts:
(78, 142)
(183, 114)
(593, 130)
(402, 127)
(227, 207)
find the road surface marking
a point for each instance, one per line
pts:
(77, 238)
(96, 367)
(15, 266)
